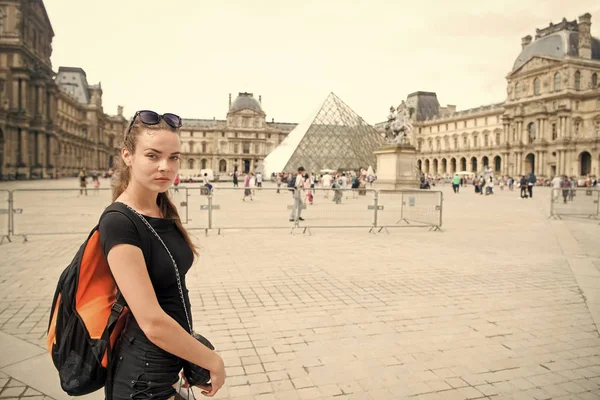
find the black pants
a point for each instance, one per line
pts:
(140, 369)
(523, 191)
(530, 190)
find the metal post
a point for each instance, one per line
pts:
(187, 206)
(376, 203)
(552, 203)
(210, 211)
(401, 207)
(441, 209)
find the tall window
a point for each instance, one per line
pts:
(475, 141)
(594, 80)
(203, 163)
(536, 86)
(497, 138)
(246, 148)
(576, 127)
(191, 144)
(203, 147)
(236, 148)
(555, 133)
(485, 141)
(191, 163)
(456, 143)
(557, 81)
(577, 80)
(518, 90)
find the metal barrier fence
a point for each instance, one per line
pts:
(66, 211)
(5, 215)
(414, 208)
(575, 202)
(57, 211)
(25, 212)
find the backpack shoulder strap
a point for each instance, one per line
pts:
(141, 228)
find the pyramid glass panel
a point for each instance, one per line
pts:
(335, 138)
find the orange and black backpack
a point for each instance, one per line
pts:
(88, 313)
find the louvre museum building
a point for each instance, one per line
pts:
(549, 123)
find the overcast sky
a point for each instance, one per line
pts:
(186, 56)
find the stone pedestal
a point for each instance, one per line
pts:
(397, 167)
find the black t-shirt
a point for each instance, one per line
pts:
(116, 228)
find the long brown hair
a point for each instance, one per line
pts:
(123, 175)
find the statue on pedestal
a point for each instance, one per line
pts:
(399, 127)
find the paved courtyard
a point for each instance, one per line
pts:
(503, 304)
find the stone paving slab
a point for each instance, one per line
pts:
(490, 308)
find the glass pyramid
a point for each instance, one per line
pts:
(335, 137)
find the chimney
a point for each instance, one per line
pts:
(260, 99)
(230, 101)
(119, 110)
(525, 41)
(585, 37)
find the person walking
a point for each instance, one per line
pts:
(156, 340)
(523, 185)
(235, 179)
(176, 184)
(297, 184)
(456, 183)
(259, 179)
(278, 180)
(531, 180)
(556, 185)
(206, 182)
(83, 182)
(565, 185)
(247, 187)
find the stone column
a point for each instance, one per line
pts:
(24, 147)
(561, 162)
(41, 100)
(41, 148)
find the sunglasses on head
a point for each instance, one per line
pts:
(153, 118)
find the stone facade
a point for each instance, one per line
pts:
(238, 143)
(50, 124)
(549, 123)
(87, 136)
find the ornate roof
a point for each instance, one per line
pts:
(246, 101)
(556, 45)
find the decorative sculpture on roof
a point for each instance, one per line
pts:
(399, 127)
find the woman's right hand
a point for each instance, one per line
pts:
(217, 377)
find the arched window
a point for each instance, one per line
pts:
(518, 90)
(191, 163)
(536, 86)
(577, 80)
(531, 131)
(222, 166)
(594, 80)
(557, 81)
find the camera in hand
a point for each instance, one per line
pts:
(195, 374)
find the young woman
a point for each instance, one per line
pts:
(155, 342)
